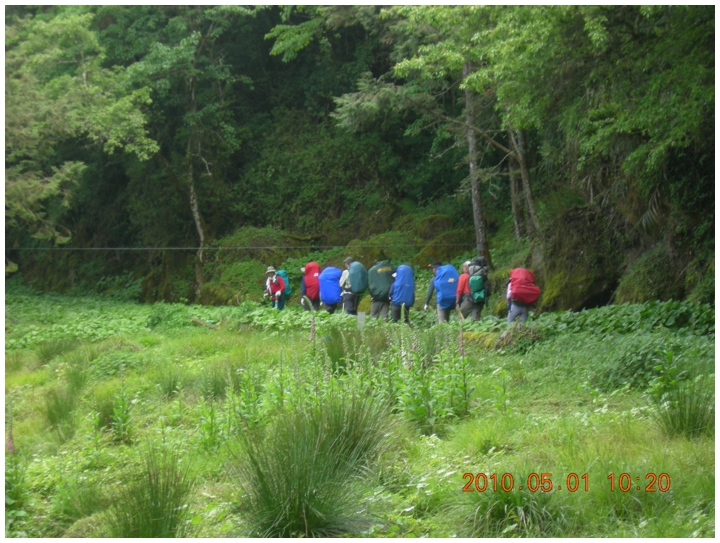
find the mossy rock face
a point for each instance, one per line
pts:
(364, 305)
(270, 246)
(433, 226)
(445, 247)
(234, 282)
(499, 309)
(578, 263)
(700, 282)
(375, 222)
(395, 246)
(655, 275)
(173, 280)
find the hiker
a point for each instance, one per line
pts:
(402, 293)
(473, 288)
(310, 286)
(353, 282)
(463, 296)
(380, 280)
(275, 288)
(521, 292)
(329, 287)
(445, 283)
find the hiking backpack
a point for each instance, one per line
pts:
(358, 278)
(522, 286)
(379, 281)
(404, 287)
(446, 280)
(312, 285)
(477, 288)
(288, 289)
(330, 291)
(479, 266)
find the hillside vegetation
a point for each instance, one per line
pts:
(143, 140)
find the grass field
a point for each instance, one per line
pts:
(261, 423)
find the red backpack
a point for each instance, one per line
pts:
(522, 286)
(312, 284)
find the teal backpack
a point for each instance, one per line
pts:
(358, 278)
(477, 288)
(286, 279)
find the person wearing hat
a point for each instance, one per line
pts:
(350, 300)
(275, 288)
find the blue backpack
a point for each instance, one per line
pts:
(446, 282)
(330, 291)
(404, 287)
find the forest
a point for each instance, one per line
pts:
(159, 158)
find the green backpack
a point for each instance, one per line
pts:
(286, 279)
(477, 288)
(380, 280)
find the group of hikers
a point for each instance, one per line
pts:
(392, 290)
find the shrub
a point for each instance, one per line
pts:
(48, 350)
(511, 514)
(60, 412)
(169, 380)
(303, 478)
(154, 504)
(213, 380)
(75, 499)
(688, 408)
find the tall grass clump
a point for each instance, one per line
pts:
(305, 477)
(47, 350)
(688, 408)
(169, 380)
(339, 346)
(155, 503)
(213, 381)
(60, 412)
(518, 513)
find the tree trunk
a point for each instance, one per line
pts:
(512, 174)
(480, 240)
(195, 209)
(519, 145)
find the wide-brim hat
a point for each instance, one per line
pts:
(348, 260)
(435, 264)
(270, 269)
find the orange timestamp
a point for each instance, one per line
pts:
(534, 482)
(573, 482)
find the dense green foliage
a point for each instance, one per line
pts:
(178, 126)
(361, 432)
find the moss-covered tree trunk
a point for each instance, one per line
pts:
(512, 175)
(518, 142)
(480, 240)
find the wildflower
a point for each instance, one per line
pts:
(9, 445)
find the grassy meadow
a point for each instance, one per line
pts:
(170, 420)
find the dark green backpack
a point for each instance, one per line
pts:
(477, 288)
(380, 280)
